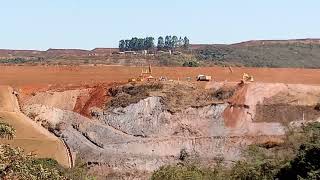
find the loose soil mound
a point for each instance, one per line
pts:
(176, 96)
(96, 97)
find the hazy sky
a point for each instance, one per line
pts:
(43, 24)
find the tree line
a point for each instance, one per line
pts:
(167, 43)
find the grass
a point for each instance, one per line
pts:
(272, 55)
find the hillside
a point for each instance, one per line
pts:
(283, 53)
(299, 53)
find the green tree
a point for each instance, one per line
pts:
(140, 44)
(133, 45)
(160, 45)
(122, 45)
(175, 41)
(186, 42)
(168, 42)
(180, 42)
(128, 42)
(149, 43)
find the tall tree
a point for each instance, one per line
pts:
(180, 43)
(186, 42)
(133, 45)
(127, 42)
(160, 45)
(122, 45)
(149, 43)
(174, 43)
(168, 42)
(140, 44)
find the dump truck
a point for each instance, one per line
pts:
(203, 78)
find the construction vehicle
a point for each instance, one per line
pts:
(246, 78)
(132, 80)
(146, 74)
(163, 78)
(203, 78)
(150, 78)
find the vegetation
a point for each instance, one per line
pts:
(17, 60)
(123, 96)
(172, 42)
(191, 63)
(6, 131)
(297, 158)
(271, 55)
(15, 164)
(169, 43)
(136, 44)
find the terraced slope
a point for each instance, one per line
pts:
(30, 136)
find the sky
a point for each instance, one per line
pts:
(87, 24)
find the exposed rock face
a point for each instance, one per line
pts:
(145, 135)
(122, 131)
(148, 118)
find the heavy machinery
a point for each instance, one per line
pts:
(203, 78)
(146, 74)
(246, 78)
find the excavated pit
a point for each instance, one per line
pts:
(141, 127)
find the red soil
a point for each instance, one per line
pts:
(96, 98)
(235, 110)
(45, 76)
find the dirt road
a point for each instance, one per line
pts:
(23, 76)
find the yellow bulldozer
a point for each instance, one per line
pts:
(246, 78)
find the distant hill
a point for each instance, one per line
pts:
(304, 53)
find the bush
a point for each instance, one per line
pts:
(14, 164)
(183, 154)
(190, 64)
(181, 172)
(280, 162)
(306, 165)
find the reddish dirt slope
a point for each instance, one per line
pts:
(96, 98)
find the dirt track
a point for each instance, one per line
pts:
(33, 76)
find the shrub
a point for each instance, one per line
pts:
(191, 63)
(306, 165)
(183, 154)
(6, 131)
(279, 162)
(182, 172)
(14, 164)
